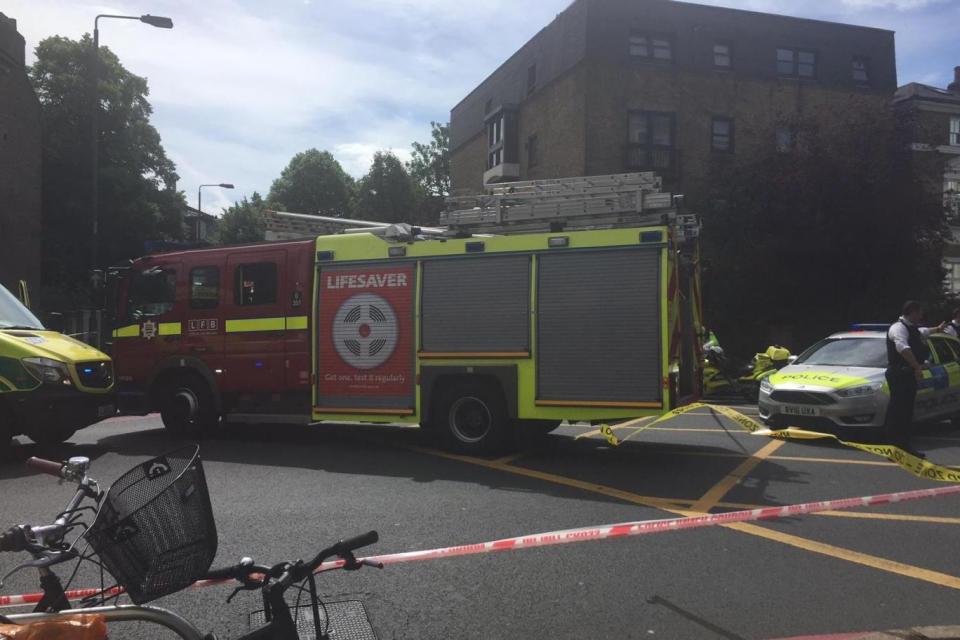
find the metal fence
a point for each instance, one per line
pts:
(87, 325)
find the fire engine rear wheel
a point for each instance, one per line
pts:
(187, 407)
(473, 417)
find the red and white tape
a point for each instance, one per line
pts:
(566, 536)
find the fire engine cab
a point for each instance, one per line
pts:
(574, 299)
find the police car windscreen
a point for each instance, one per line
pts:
(847, 352)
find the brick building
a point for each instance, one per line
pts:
(621, 85)
(20, 164)
(930, 121)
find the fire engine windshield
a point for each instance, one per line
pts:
(14, 315)
(151, 293)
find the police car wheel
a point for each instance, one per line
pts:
(473, 416)
(187, 407)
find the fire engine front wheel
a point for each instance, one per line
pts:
(473, 417)
(187, 407)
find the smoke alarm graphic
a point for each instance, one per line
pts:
(365, 331)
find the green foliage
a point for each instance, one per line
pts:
(242, 223)
(313, 183)
(387, 193)
(137, 182)
(801, 244)
(429, 165)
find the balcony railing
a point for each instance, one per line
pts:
(643, 157)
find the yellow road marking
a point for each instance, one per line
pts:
(890, 566)
(511, 458)
(865, 559)
(891, 516)
(716, 493)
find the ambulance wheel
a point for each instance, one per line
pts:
(187, 407)
(473, 417)
(49, 437)
(6, 429)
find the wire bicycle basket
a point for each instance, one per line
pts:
(155, 531)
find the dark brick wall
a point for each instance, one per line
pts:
(589, 83)
(754, 38)
(555, 49)
(20, 164)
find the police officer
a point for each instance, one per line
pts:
(953, 327)
(906, 352)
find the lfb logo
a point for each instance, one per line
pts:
(365, 331)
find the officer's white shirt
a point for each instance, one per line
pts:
(900, 336)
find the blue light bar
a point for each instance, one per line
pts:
(870, 326)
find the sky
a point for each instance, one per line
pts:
(240, 86)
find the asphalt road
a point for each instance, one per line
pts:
(282, 493)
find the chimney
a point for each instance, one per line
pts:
(954, 87)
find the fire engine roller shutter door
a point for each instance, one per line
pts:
(598, 326)
(476, 305)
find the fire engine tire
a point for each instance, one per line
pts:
(49, 437)
(187, 407)
(473, 417)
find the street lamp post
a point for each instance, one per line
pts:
(222, 185)
(154, 21)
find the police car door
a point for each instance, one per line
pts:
(945, 377)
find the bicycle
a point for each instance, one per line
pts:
(112, 535)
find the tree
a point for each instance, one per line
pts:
(387, 193)
(138, 200)
(242, 222)
(430, 163)
(313, 183)
(801, 242)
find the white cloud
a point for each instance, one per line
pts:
(237, 91)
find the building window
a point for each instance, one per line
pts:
(533, 151)
(531, 79)
(502, 138)
(952, 280)
(651, 47)
(722, 135)
(951, 200)
(204, 288)
(722, 58)
(650, 143)
(860, 67)
(796, 63)
(955, 130)
(256, 284)
(785, 139)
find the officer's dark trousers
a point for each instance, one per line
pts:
(903, 392)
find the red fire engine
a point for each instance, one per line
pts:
(468, 332)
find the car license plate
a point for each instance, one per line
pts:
(106, 411)
(801, 411)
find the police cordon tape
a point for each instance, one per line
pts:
(567, 536)
(907, 461)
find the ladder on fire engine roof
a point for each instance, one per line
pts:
(592, 202)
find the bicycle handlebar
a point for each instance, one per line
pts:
(46, 466)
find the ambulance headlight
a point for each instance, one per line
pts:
(860, 391)
(47, 371)
(765, 386)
